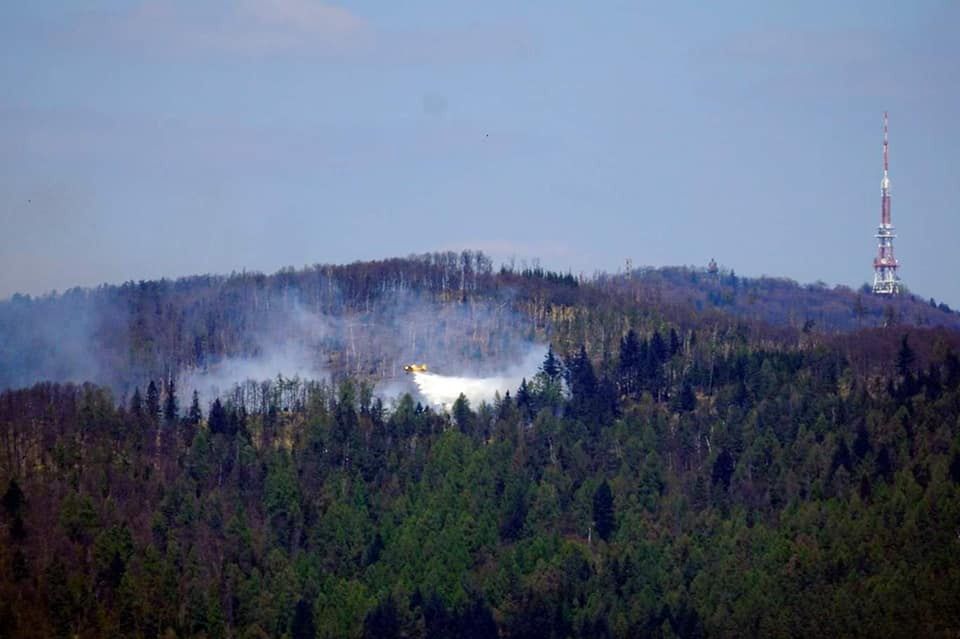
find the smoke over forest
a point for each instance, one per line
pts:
(210, 334)
(366, 320)
(443, 390)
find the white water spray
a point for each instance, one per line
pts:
(443, 390)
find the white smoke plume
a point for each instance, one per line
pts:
(443, 390)
(287, 360)
(487, 346)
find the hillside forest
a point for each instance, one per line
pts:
(696, 455)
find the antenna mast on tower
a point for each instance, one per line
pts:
(885, 265)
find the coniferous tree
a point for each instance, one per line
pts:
(884, 464)
(674, 342)
(583, 387)
(658, 348)
(603, 515)
(687, 399)
(195, 415)
(654, 357)
(13, 499)
(523, 394)
(932, 383)
(861, 443)
(217, 418)
(551, 366)
(136, 403)
(905, 358)
(462, 414)
(371, 554)
(547, 388)
(302, 626)
(841, 457)
(723, 468)
(476, 621)
(382, 622)
(153, 401)
(515, 511)
(170, 407)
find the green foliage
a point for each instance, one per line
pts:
(78, 518)
(603, 517)
(153, 400)
(721, 485)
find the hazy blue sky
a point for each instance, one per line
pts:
(140, 140)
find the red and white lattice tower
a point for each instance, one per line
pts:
(885, 265)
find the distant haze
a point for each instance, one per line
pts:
(162, 139)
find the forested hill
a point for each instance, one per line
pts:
(456, 309)
(781, 301)
(691, 459)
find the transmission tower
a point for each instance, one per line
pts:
(885, 265)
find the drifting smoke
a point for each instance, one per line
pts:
(225, 338)
(286, 361)
(443, 390)
(50, 338)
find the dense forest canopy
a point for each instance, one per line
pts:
(695, 456)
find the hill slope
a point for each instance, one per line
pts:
(453, 309)
(669, 471)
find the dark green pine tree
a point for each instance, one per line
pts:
(687, 399)
(547, 388)
(551, 366)
(524, 400)
(170, 407)
(658, 348)
(476, 621)
(655, 356)
(583, 387)
(217, 419)
(905, 358)
(195, 415)
(723, 468)
(382, 622)
(371, 553)
(841, 457)
(885, 464)
(674, 342)
(62, 608)
(866, 488)
(136, 403)
(302, 626)
(153, 400)
(861, 443)
(13, 499)
(462, 414)
(603, 515)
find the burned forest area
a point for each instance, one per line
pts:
(671, 452)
